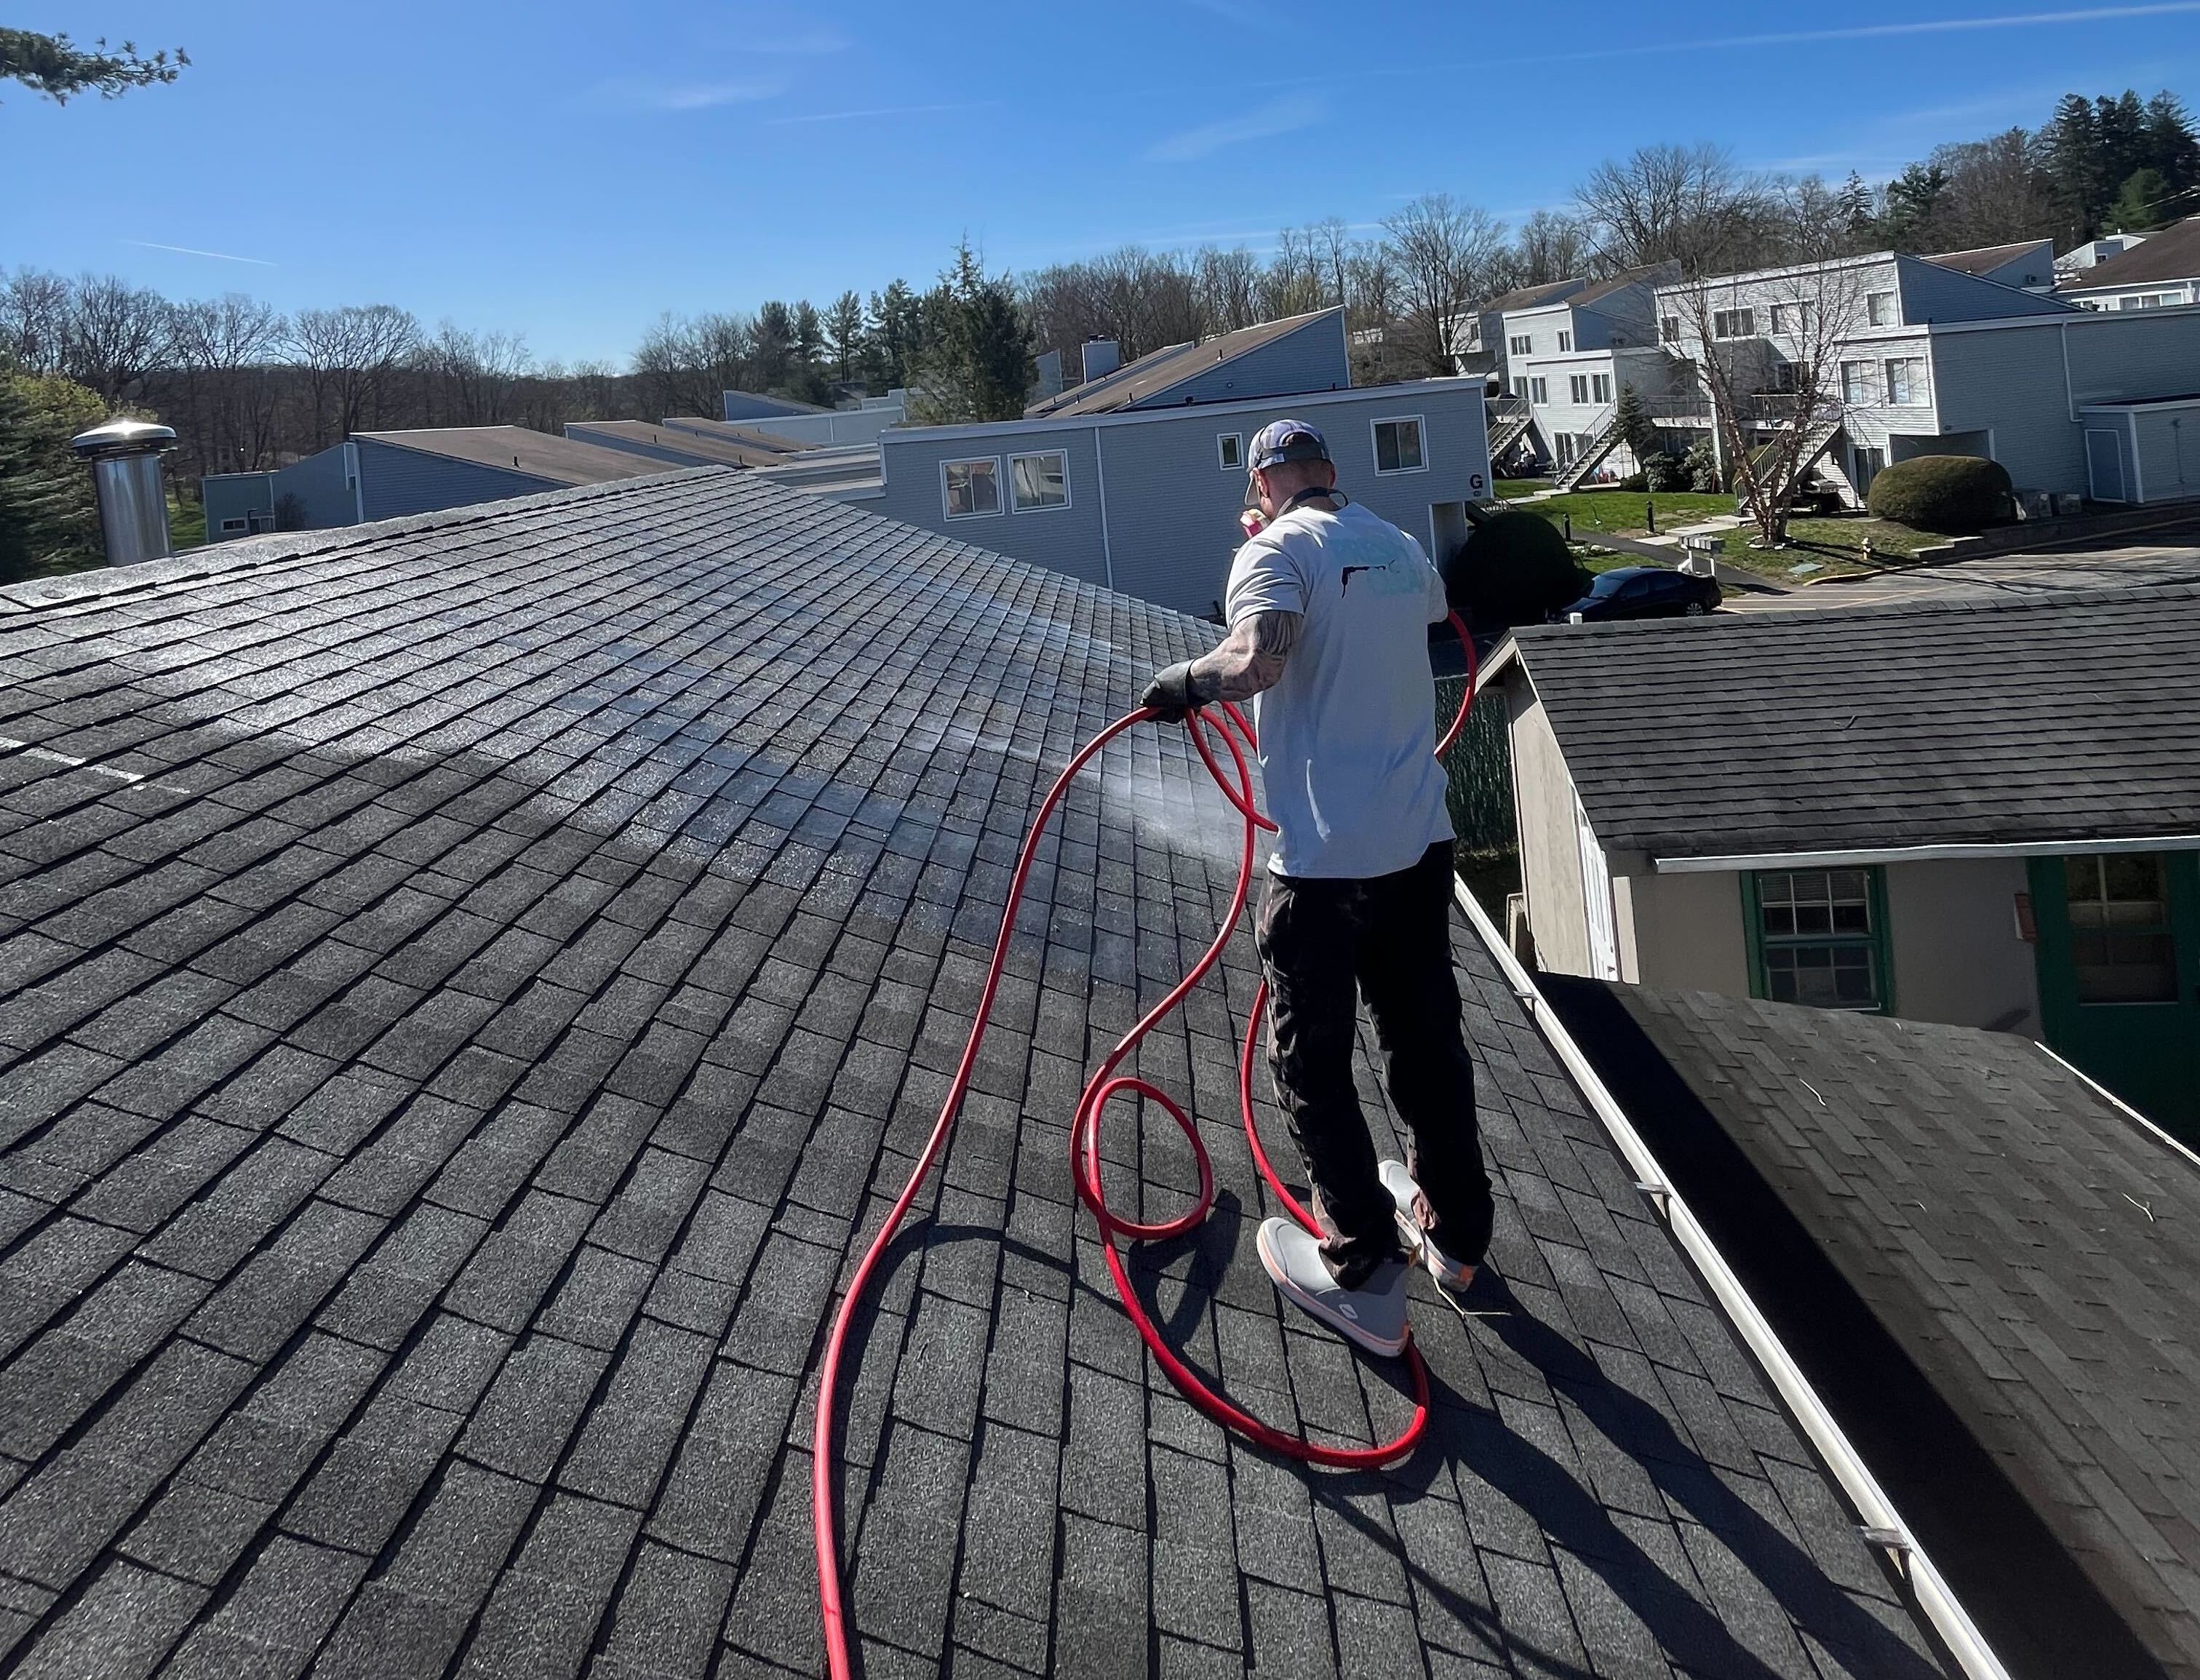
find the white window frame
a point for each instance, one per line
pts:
(1577, 390)
(1867, 384)
(1229, 444)
(1599, 386)
(1739, 322)
(1669, 329)
(1015, 507)
(1920, 395)
(1565, 343)
(235, 524)
(1799, 310)
(1872, 301)
(1420, 425)
(1520, 344)
(1539, 391)
(1000, 487)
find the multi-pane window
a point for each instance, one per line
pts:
(1791, 319)
(1880, 310)
(2121, 944)
(1040, 480)
(1231, 448)
(1520, 344)
(1599, 386)
(1905, 380)
(1539, 390)
(1564, 444)
(1733, 323)
(1818, 938)
(1859, 383)
(1398, 445)
(1669, 329)
(1577, 388)
(968, 490)
(1565, 342)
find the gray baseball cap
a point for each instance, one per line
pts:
(1281, 441)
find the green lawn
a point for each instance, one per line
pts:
(186, 523)
(1622, 512)
(1521, 487)
(1828, 548)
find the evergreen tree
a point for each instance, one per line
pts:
(2142, 205)
(2070, 156)
(1637, 430)
(847, 340)
(1853, 204)
(896, 330)
(774, 345)
(56, 67)
(49, 519)
(977, 360)
(1911, 197)
(2171, 145)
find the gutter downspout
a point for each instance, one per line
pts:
(1100, 478)
(1882, 1525)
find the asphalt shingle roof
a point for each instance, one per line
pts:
(466, 983)
(2029, 1245)
(1941, 723)
(559, 460)
(2174, 253)
(1156, 372)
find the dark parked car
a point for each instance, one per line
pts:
(1646, 592)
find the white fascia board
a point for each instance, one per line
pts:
(1469, 385)
(1953, 851)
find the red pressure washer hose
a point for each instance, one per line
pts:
(1104, 1086)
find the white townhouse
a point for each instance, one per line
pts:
(2159, 273)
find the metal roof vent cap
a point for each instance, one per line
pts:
(124, 458)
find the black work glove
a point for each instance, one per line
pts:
(1170, 693)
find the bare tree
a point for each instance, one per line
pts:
(1768, 353)
(1669, 203)
(350, 358)
(1551, 247)
(34, 320)
(685, 364)
(472, 378)
(226, 352)
(117, 333)
(1228, 281)
(1444, 253)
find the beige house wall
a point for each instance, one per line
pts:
(1550, 849)
(1683, 930)
(1957, 957)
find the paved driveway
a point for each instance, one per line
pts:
(2170, 555)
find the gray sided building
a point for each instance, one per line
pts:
(384, 475)
(1135, 480)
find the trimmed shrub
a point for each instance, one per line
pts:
(1701, 463)
(1666, 472)
(1513, 569)
(1950, 494)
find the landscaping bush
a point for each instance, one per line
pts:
(1634, 484)
(1702, 466)
(1950, 494)
(1666, 472)
(1513, 569)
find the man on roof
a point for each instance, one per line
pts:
(1329, 607)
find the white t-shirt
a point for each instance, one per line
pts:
(1347, 735)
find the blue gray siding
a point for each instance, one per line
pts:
(396, 481)
(1312, 358)
(320, 483)
(235, 495)
(2011, 382)
(748, 406)
(1932, 293)
(1169, 523)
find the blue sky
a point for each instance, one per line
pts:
(569, 170)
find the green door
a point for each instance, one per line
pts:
(2119, 957)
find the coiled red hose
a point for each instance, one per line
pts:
(1100, 1090)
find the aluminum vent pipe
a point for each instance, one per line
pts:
(125, 459)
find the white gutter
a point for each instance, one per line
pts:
(2110, 1096)
(1882, 1526)
(1924, 854)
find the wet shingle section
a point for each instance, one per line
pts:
(467, 988)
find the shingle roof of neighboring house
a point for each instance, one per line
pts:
(468, 980)
(748, 436)
(702, 449)
(1532, 297)
(2025, 721)
(561, 461)
(1984, 259)
(2029, 1246)
(2174, 253)
(1650, 274)
(1153, 374)
(785, 405)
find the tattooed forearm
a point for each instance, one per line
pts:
(1250, 658)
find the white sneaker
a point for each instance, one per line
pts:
(1373, 1315)
(1451, 1274)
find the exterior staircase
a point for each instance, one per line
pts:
(1812, 466)
(1510, 418)
(1593, 454)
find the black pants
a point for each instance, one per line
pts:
(1325, 944)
